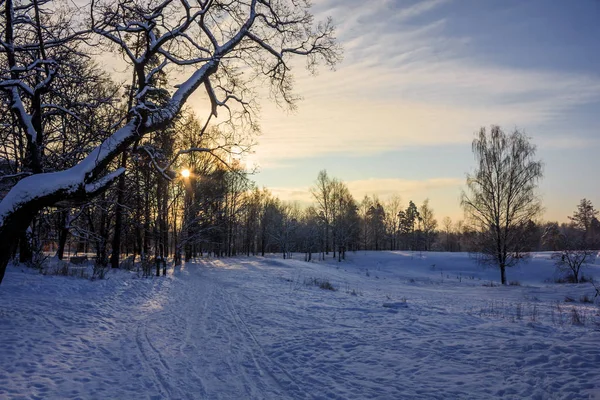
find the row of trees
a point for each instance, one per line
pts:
(216, 209)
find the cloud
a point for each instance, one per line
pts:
(408, 189)
(407, 81)
(383, 188)
(569, 142)
(293, 194)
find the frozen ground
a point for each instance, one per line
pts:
(399, 326)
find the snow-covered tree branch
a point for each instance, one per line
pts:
(214, 40)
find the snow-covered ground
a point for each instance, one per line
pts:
(398, 326)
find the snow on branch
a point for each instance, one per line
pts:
(13, 176)
(102, 183)
(181, 34)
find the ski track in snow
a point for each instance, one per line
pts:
(251, 328)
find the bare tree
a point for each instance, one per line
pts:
(576, 241)
(322, 192)
(392, 208)
(345, 226)
(572, 260)
(212, 42)
(429, 224)
(283, 226)
(364, 207)
(447, 224)
(310, 233)
(501, 198)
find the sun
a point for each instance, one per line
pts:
(185, 173)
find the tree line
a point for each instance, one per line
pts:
(217, 210)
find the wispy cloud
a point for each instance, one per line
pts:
(386, 187)
(406, 80)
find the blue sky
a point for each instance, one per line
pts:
(420, 78)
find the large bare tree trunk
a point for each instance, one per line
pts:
(13, 227)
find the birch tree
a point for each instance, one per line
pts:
(501, 198)
(322, 193)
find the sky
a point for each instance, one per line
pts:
(418, 79)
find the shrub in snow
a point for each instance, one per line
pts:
(100, 269)
(77, 260)
(597, 288)
(396, 305)
(128, 263)
(321, 283)
(571, 262)
(534, 313)
(519, 311)
(147, 267)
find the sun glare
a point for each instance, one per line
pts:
(185, 173)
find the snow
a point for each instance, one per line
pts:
(69, 180)
(398, 325)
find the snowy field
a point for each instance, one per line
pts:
(397, 326)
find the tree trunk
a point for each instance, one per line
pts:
(116, 246)
(503, 274)
(8, 243)
(146, 243)
(62, 239)
(102, 256)
(25, 252)
(12, 228)
(327, 239)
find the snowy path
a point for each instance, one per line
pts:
(175, 338)
(251, 329)
(197, 346)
